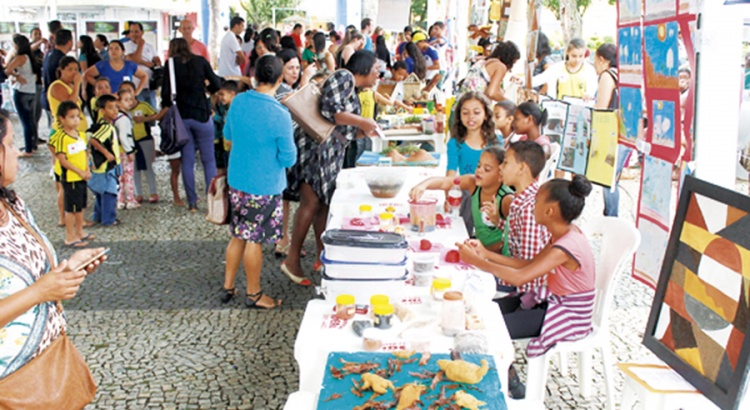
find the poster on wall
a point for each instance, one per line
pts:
(656, 190)
(26, 27)
(574, 150)
(7, 28)
(661, 55)
(603, 148)
(557, 118)
(630, 51)
(629, 11)
(631, 112)
(150, 34)
(110, 29)
(659, 9)
(664, 134)
(650, 254)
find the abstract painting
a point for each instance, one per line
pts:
(650, 254)
(629, 11)
(661, 59)
(656, 190)
(701, 308)
(631, 112)
(630, 54)
(603, 150)
(575, 145)
(659, 9)
(557, 117)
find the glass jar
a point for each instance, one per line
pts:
(383, 316)
(453, 318)
(439, 287)
(345, 307)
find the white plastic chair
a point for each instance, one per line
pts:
(551, 165)
(619, 240)
(301, 400)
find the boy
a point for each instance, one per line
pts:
(226, 94)
(142, 114)
(503, 115)
(72, 165)
(101, 87)
(106, 159)
(524, 160)
(124, 126)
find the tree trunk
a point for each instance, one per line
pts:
(571, 20)
(214, 29)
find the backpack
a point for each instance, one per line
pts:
(174, 135)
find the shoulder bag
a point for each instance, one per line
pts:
(304, 106)
(58, 378)
(174, 135)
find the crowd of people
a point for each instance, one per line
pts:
(102, 106)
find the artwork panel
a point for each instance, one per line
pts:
(575, 145)
(629, 11)
(738, 232)
(631, 109)
(664, 124)
(726, 253)
(603, 148)
(557, 118)
(656, 189)
(630, 55)
(650, 253)
(661, 55)
(659, 9)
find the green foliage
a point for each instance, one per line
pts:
(554, 5)
(594, 42)
(261, 11)
(418, 13)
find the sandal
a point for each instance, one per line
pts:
(89, 237)
(76, 244)
(282, 251)
(302, 281)
(318, 266)
(227, 294)
(253, 298)
(154, 199)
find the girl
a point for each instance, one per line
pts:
(528, 120)
(124, 125)
(384, 56)
(473, 132)
(572, 77)
(87, 57)
(490, 199)
(567, 261)
(353, 41)
(415, 62)
(24, 69)
(503, 115)
(486, 76)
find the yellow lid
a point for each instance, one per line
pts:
(385, 216)
(390, 209)
(344, 300)
(382, 310)
(441, 283)
(365, 208)
(379, 300)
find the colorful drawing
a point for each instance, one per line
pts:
(650, 254)
(630, 55)
(631, 109)
(7, 27)
(26, 27)
(664, 122)
(557, 117)
(603, 150)
(658, 9)
(574, 151)
(630, 11)
(661, 55)
(701, 308)
(656, 189)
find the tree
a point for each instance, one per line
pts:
(418, 12)
(570, 14)
(260, 12)
(214, 30)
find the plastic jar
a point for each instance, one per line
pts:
(383, 316)
(365, 210)
(386, 220)
(345, 307)
(439, 287)
(453, 319)
(377, 300)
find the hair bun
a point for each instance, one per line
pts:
(580, 186)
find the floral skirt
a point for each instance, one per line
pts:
(255, 218)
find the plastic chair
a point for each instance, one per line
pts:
(301, 400)
(619, 240)
(551, 165)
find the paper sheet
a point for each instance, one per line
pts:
(661, 379)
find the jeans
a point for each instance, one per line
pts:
(147, 146)
(37, 115)
(201, 139)
(149, 97)
(24, 103)
(105, 208)
(612, 197)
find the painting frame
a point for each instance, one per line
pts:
(729, 396)
(663, 107)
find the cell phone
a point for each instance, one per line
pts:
(93, 259)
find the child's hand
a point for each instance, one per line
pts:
(138, 119)
(467, 253)
(85, 175)
(476, 244)
(109, 157)
(490, 209)
(416, 192)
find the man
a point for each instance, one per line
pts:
(432, 60)
(440, 43)
(367, 32)
(296, 35)
(53, 27)
(231, 56)
(63, 44)
(37, 42)
(143, 54)
(407, 38)
(186, 29)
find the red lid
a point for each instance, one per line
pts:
(457, 181)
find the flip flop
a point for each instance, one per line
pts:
(77, 244)
(252, 300)
(89, 237)
(302, 281)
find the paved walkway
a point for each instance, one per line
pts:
(155, 335)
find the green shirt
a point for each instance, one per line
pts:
(308, 55)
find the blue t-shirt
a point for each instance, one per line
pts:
(262, 144)
(409, 64)
(462, 159)
(117, 77)
(430, 56)
(368, 44)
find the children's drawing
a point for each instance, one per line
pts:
(630, 55)
(603, 151)
(656, 189)
(664, 123)
(630, 11)
(557, 117)
(658, 9)
(661, 55)
(575, 147)
(631, 112)
(650, 255)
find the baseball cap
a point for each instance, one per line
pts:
(418, 36)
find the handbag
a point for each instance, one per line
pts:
(218, 201)
(304, 106)
(58, 378)
(174, 135)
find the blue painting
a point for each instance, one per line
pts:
(663, 123)
(631, 108)
(630, 55)
(661, 45)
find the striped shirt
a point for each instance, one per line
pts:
(568, 318)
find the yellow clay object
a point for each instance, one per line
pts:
(467, 401)
(410, 395)
(404, 354)
(463, 372)
(378, 384)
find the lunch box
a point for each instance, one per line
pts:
(358, 270)
(364, 247)
(363, 288)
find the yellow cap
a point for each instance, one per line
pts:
(365, 208)
(344, 300)
(390, 209)
(384, 309)
(379, 300)
(441, 283)
(385, 216)
(418, 36)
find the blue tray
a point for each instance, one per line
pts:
(491, 391)
(369, 158)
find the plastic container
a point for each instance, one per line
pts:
(385, 182)
(383, 316)
(359, 270)
(362, 246)
(345, 307)
(439, 287)
(424, 266)
(422, 214)
(379, 300)
(417, 340)
(453, 319)
(386, 220)
(365, 210)
(362, 289)
(372, 340)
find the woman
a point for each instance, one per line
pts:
(191, 75)
(261, 144)
(415, 62)
(543, 59)
(353, 41)
(486, 76)
(384, 56)
(335, 38)
(117, 69)
(323, 59)
(319, 165)
(101, 43)
(87, 57)
(267, 42)
(23, 70)
(31, 284)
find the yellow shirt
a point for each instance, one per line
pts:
(54, 104)
(139, 128)
(75, 150)
(571, 84)
(367, 102)
(106, 132)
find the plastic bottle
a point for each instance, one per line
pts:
(454, 197)
(439, 119)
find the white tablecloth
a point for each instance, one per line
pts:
(437, 140)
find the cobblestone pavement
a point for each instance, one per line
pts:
(155, 335)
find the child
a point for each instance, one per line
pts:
(72, 166)
(141, 113)
(124, 125)
(503, 116)
(572, 77)
(226, 94)
(490, 199)
(570, 289)
(105, 147)
(528, 120)
(101, 87)
(473, 131)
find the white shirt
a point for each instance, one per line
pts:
(147, 54)
(228, 54)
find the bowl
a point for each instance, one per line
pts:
(385, 182)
